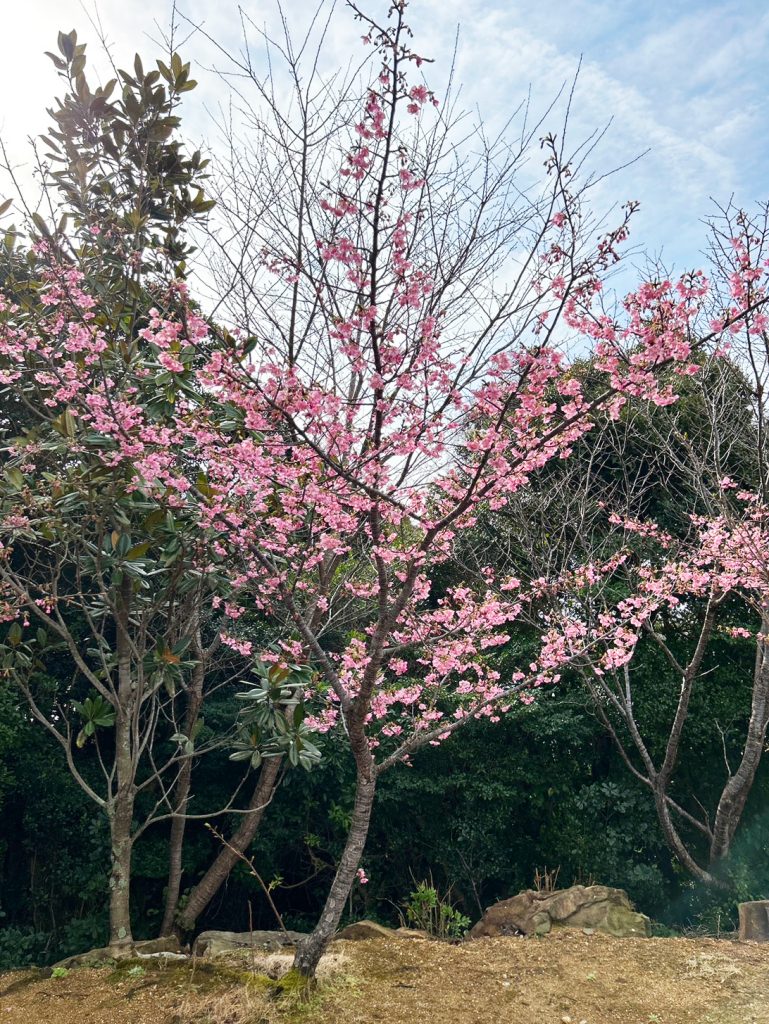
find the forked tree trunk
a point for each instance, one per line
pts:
(736, 790)
(228, 856)
(311, 949)
(677, 845)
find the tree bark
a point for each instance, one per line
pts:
(311, 949)
(120, 807)
(181, 800)
(121, 849)
(175, 847)
(735, 792)
(212, 880)
(675, 842)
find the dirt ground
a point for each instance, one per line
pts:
(565, 978)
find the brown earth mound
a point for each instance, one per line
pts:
(565, 978)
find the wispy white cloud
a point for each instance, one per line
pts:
(688, 87)
(690, 84)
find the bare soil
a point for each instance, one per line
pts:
(565, 978)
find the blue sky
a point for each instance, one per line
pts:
(689, 82)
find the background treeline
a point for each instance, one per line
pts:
(545, 787)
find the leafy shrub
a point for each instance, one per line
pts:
(22, 947)
(80, 934)
(434, 914)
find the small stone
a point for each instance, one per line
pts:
(411, 933)
(362, 930)
(162, 956)
(588, 931)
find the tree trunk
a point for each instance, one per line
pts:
(121, 848)
(310, 950)
(176, 846)
(121, 806)
(211, 882)
(181, 800)
(676, 843)
(735, 792)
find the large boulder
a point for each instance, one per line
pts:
(594, 907)
(213, 943)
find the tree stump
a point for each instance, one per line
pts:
(754, 921)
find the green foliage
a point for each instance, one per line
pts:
(22, 947)
(120, 168)
(608, 833)
(12, 733)
(427, 910)
(272, 723)
(96, 713)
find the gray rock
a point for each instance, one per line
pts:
(163, 956)
(542, 923)
(412, 933)
(593, 908)
(145, 948)
(754, 921)
(213, 943)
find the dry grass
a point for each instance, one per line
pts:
(239, 1005)
(566, 978)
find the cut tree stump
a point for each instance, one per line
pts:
(754, 921)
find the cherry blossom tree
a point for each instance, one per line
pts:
(106, 566)
(95, 569)
(397, 366)
(700, 578)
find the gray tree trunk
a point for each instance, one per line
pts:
(735, 792)
(121, 848)
(225, 861)
(181, 800)
(310, 950)
(120, 806)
